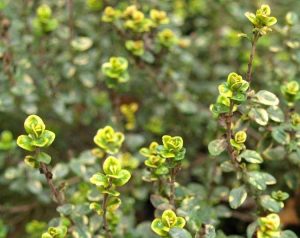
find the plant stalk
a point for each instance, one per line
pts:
(251, 58)
(48, 175)
(104, 208)
(172, 187)
(230, 150)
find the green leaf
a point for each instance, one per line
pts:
(25, 142)
(111, 192)
(123, 177)
(44, 158)
(99, 179)
(271, 204)
(180, 155)
(260, 180)
(40, 142)
(251, 229)
(65, 209)
(291, 18)
(216, 147)
(50, 136)
(276, 114)
(112, 166)
(239, 97)
(220, 108)
(46, 235)
(31, 161)
(259, 115)
(280, 195)
(251, 17)
(82, 43)
(224, 90)
(237, 197)
(275, 153)
(180, 223)
(251, 156)
(113, 204)
(97, 208)
(237, 146)
(157, 200)
(169, 217)
(288, 234)
(179, 233)
(34, 125)
(291, 180)
(161, 170)
(266, 98)
(227, 166)
(280, 135)
(158, 227)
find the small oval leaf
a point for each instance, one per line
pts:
(266, 98)
(251, 156)
(216, 147)
(237, 197)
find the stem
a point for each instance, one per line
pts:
(172, 187)
(105, 223)
(8, 54)
(230, 150)
(48, 175)
(250, 62)
(160, 186)
(201, 232)
(229, 117)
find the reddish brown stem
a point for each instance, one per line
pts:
(48, 175)
(251, 58)
(104, 208)
(230, 150)
(172, 181)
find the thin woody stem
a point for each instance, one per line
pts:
(104, 208)
(229, 117)
(251, 58)
(230, 150)
(172, 186)
(48, 175)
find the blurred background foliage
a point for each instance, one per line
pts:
(58, 76)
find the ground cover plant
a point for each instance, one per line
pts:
(144, 119)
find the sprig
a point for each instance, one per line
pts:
(38, 138)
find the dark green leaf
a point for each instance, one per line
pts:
(271, 204)
(266, 98)
(44, 158)
(216, 147)
(251, 156)
(259, 115)
(237, 197)
(179, 233)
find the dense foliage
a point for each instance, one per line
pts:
(144, 119)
